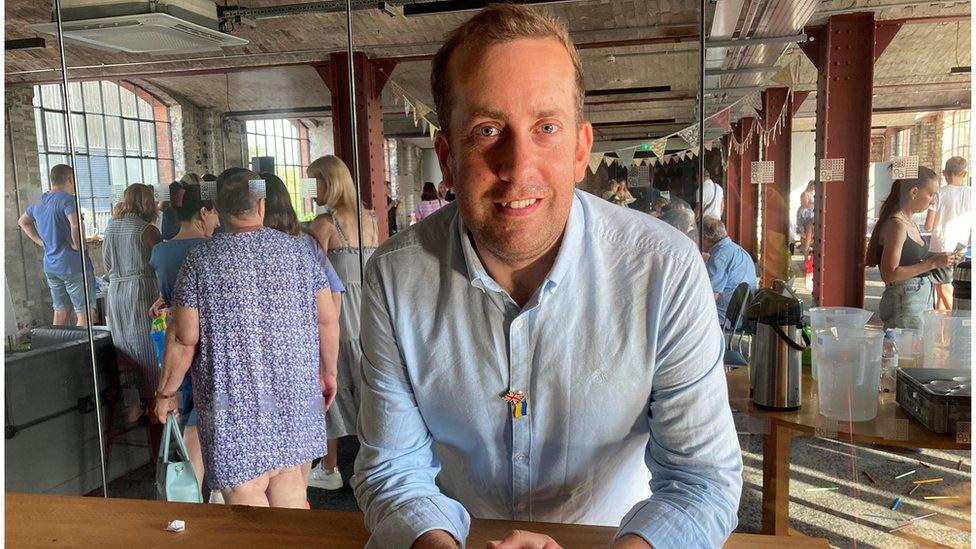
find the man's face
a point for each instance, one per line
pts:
(514, 152)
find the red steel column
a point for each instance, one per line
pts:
(774, 258)
(733, 188)
(844, 51)
(370, 77)
(748, 193)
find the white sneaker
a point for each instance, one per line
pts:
(216, 497)
(327, 480)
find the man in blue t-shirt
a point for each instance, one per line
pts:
(53, 225)
(728, 264)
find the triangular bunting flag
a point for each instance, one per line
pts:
(433, 130)
(695, 151)
(722, 119)
(419, 112)
(406, 109)
(753, 100)
(652, 161)
(608, 160)
(690, 135)
(788, 75)
(626, 156)
(595, 160)
(658, 146)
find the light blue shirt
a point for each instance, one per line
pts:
(617, 353)
(728, 266)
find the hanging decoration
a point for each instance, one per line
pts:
(690, 135)
(595, 160)
(420, 111)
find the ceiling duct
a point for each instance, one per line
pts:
(160, 27)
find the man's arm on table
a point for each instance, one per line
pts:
(693, 451)
(396, 466)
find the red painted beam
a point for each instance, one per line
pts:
(844, 51)
(748, 193)
(370, 77)
(774, 256)
(733, 188)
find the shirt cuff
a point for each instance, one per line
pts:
(662, 525)
(417, 517)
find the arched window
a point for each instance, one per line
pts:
(121, 135)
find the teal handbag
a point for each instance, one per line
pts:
(175, 479)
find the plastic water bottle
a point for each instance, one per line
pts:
(889, 362)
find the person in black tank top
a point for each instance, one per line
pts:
(901, 255)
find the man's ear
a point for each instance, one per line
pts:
(584, 144)
(442, 147)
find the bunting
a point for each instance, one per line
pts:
(690, 135)
(626, 156)
(659, 146)
(595, 160)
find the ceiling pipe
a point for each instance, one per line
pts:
(741, 70)
(741, 42)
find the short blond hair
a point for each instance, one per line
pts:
(137, 199)
(956, 165)
(496, 24)
(341, 193)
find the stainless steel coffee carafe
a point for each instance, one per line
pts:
(777, 349)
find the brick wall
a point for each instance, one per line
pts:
(927, 141)
(23, 260)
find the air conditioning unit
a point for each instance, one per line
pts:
(160, 27)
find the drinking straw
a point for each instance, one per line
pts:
(823, 489)
(927, 481)
(896, 504)
(903, 475)
(912, 491)
(941, 497)
(867, 474)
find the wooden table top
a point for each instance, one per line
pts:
(43, 521)
(893, 426)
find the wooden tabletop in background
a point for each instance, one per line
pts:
(44, 521)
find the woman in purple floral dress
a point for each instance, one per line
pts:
(253, 312)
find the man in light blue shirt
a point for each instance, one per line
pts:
(532, 352)
(728, 263)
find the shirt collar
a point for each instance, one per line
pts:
(570, 252)
(720, 244)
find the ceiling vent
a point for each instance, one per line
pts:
(158, 27)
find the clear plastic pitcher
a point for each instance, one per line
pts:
(823, 318)
(909, 342)
(946, 339)
(850, 368)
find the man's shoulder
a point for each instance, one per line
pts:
(631, 231)
(428, 240)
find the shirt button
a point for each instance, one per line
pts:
(519, 457)
(519, 323)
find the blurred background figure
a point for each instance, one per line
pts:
(336, 227)
(950, 221)
(430, 202)
(902, 256)
(129, 240)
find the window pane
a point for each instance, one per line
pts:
(110, 97)
(150, 172)
(96, 133)
(74, 94)
(36, 99)
(272, 147)
(39, 129)
(78, 137)
(148, 133)
(131, 135)
(128, 103)
(133, 168)
(93, 99)
(145, 109)
(113, 133)
(42, 162)
(54, 125)
(51, 97)
(116, 171)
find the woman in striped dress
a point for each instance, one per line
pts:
(129, 239)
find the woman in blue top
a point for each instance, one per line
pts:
(197, 218)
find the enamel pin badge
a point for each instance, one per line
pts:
(519, 403)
